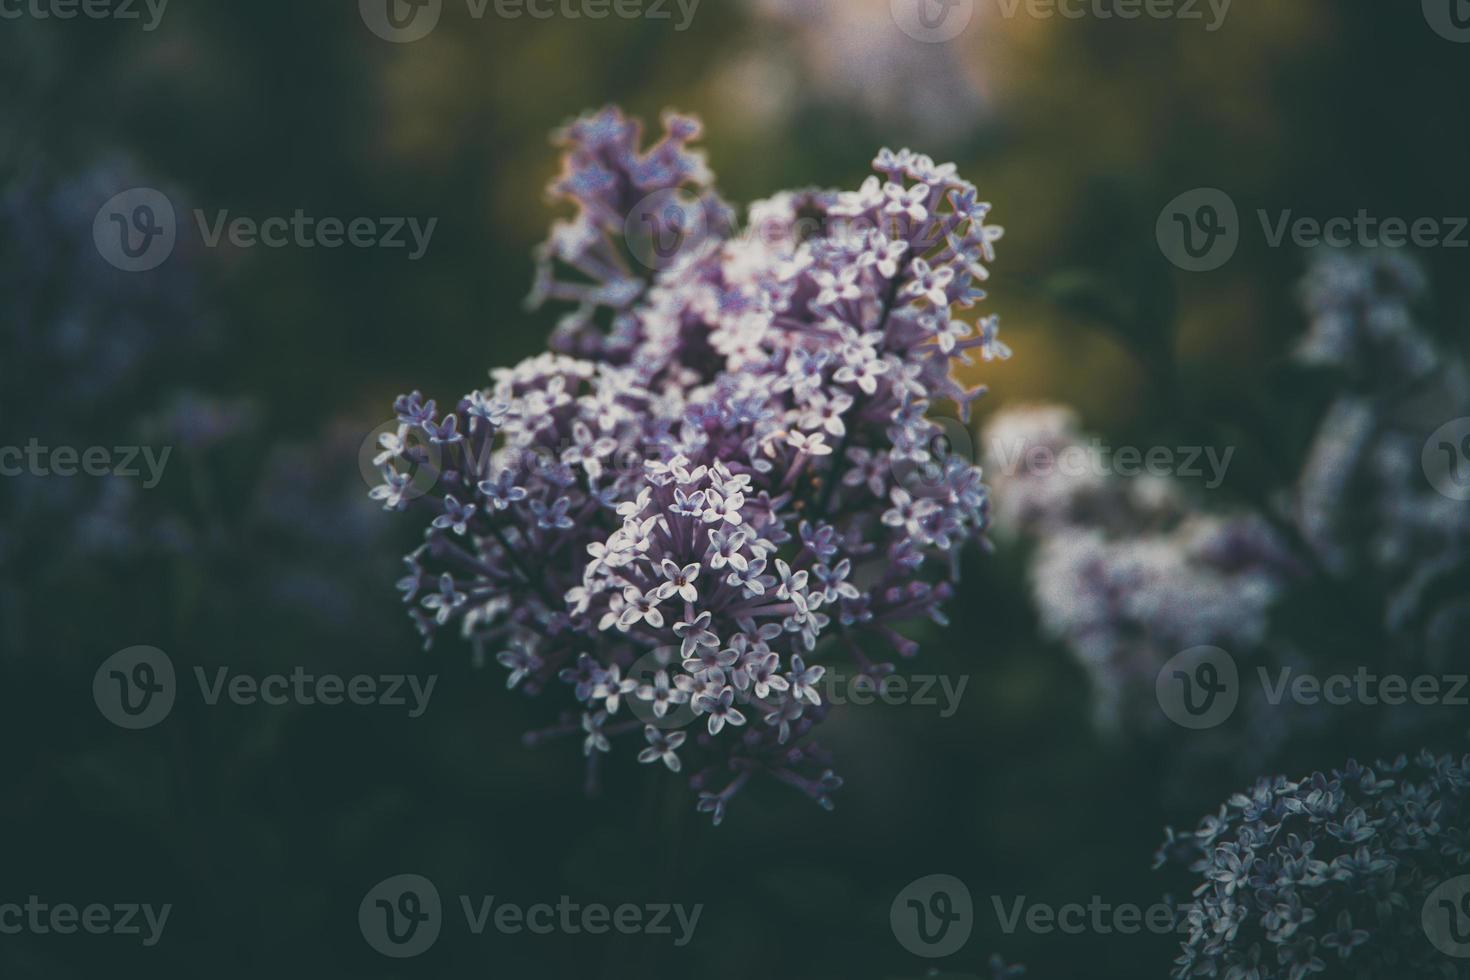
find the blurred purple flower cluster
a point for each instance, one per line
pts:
(92, 332)
(1129, 571)
(702, 496)
(97, 356)
(1362, 501)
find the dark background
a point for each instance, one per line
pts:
(264, 827)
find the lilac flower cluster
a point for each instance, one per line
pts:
(1129, 572)
(84, 344)
(682, 520)
(1363, 310)
(1326, 875)
(93, 355)
(1362, 502)
(78, 330)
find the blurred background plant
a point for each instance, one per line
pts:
(266, 368)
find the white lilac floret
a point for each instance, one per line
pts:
(694, 513)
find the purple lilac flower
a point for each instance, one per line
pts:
(1128, 572)
(83, 345)
(674, 503)
(1327, 875)
(1361, 501)
(1363, 308)
(81, 335)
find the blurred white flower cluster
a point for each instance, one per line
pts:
(852, 54)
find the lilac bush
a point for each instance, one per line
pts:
(1326, 876)
(723, 477)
